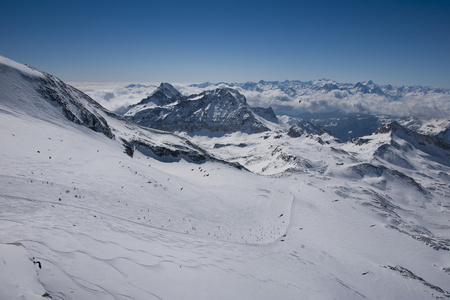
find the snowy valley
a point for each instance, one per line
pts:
(198, 192)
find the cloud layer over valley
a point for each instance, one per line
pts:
(296, 98)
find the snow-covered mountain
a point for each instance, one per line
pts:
(220, 110)
(350, 110)
(93, 206)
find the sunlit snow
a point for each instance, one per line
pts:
(304, 218)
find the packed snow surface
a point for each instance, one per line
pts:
(307, 218)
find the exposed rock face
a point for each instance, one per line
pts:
(71, 102)
(297, 131)
(266, 113)
(43, 95)
(220, 110)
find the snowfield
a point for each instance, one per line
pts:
(145, 214)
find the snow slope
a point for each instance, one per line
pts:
(107, 225)
(18, 274)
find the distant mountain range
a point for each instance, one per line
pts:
(295, 88)
(351, 110)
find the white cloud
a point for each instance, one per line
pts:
(113, 95)
(421, 105)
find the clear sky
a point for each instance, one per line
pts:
(398, 42)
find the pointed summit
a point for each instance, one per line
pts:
(163, 95)
(168, 90)
(369, 88)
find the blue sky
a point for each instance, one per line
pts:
(397, 42)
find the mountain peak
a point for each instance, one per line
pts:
(229, 94)
(168, 90)
(369, 88)
(163, 95)
(390, 127)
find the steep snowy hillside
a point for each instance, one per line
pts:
(220, 110)
(25, 90)
(82, 219)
